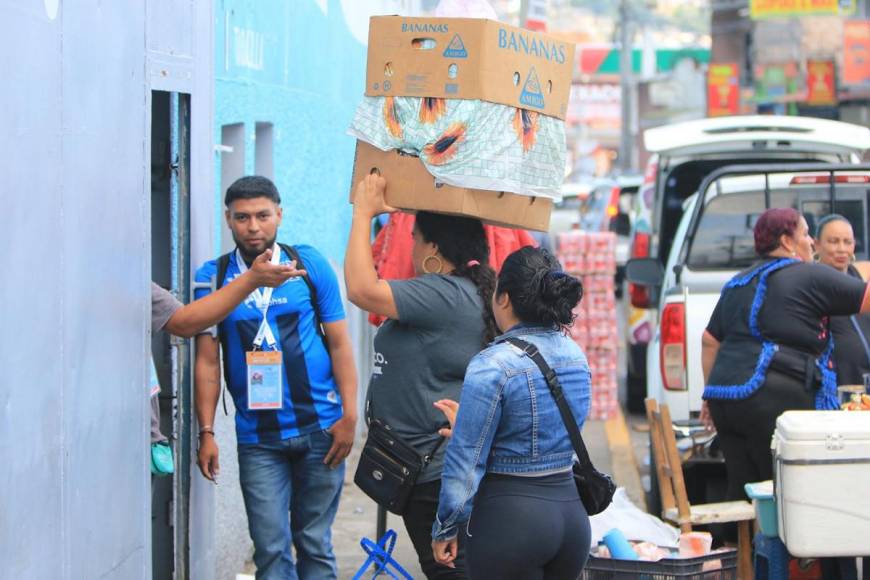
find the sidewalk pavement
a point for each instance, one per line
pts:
(610, 445)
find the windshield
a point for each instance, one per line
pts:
(723, 237)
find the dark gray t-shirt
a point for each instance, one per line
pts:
(422, 358)
(163, 306)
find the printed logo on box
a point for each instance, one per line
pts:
(456, 48)
(532, 95)
(451, 88)
(530, 45)
(425, 27)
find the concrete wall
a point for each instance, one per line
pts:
(75, 293)
(74, 298)
(301, 67)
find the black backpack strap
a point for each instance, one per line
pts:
(312, 290)
(223, 262)
(533, 353)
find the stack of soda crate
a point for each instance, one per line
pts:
(591, 256)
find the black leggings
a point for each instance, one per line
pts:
(527, 528)
(418, 518)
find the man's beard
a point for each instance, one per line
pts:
(248, 254)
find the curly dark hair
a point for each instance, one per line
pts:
(540, 292)
(462, 240)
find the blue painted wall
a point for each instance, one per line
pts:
(297, 66)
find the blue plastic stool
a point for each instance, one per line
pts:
(380, 556)
(771, 558)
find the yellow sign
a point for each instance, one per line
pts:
(761, 9)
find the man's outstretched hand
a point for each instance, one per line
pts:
(265, 273)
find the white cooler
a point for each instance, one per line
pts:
(822, 482)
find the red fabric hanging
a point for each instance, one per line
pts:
(393, 245)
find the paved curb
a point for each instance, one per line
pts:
(623, 460)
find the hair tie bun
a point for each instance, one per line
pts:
(472, 263)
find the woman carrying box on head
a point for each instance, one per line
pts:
(437, 321)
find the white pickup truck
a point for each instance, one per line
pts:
(714, 241)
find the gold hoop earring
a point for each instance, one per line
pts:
(428, 270)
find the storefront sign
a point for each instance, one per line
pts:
(856, 52)
(762, 9)
(821, 86)
(723, 89)
(536, 18)
(597, 105)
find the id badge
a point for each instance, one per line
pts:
(265, 384)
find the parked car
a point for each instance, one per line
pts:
(713, 241)
(608, 207)
(683, 155)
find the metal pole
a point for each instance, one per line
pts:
(382, 523)
(524, 12)
(626, 143)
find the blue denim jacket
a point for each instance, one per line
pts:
(508, 422)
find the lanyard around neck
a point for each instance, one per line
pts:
(262, 297)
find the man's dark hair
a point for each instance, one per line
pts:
(250, 187)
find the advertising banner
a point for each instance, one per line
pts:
(856, 52)
(821, 84)
(723, 89)
(763, 9)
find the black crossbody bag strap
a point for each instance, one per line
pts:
(533, 353)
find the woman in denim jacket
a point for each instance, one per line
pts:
(509, 451)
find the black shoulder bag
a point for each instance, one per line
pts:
(388, 467)
(596, 489)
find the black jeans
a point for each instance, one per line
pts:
(419, 516)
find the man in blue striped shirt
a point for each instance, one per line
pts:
(294, 435)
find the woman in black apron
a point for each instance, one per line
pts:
(768, 347)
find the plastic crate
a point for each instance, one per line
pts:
(664, 569)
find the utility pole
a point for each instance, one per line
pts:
(626, 79)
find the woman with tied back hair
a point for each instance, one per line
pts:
(510, 453)
(436, 322)
(767, 348)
